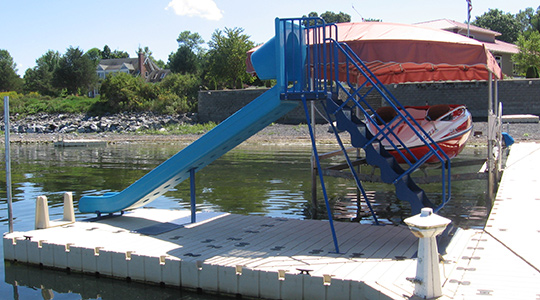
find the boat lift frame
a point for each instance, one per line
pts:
(491, 167)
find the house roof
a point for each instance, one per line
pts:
(494, 46)
(158, 75)
(153, 73)
(115, 64)
(501, 47)
(451, 25)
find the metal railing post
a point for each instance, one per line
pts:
(8, 164)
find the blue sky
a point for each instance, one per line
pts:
(28, 28)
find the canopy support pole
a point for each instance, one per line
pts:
(192, 194)
(314, 170)
(494, 132)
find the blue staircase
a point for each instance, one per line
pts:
(331, 72)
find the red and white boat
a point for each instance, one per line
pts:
(449, 126)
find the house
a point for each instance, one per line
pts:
(139, 66)
(502, 51)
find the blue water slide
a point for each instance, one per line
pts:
(271, 61)
(255, 116)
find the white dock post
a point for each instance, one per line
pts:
(42, 213)
(427, 226)
(69, 212)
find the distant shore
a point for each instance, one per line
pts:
(275, 134)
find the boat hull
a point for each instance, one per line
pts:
(449, 129)
(451, 147)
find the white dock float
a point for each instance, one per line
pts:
(253, 256)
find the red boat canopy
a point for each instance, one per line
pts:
(398, 53)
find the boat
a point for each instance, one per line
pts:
(448, 125)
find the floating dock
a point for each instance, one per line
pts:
(254, 256)
(524, 118)
(277, 258)
(501, 261)
(80, 143)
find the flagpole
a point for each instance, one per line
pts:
(469, 9)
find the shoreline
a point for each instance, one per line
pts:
(275, 134)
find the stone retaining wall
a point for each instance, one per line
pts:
(217, 106)
(519, 96)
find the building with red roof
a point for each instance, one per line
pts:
(502, 51)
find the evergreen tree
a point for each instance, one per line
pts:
(9, 79)
(76, 72)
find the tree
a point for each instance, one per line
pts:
(106, 53)
(330, 17)
(119, 54)
(160, 63)
(148, 54)
(183, 61)
(76, 72)
(504, 23)
(189, 55)
(192, 40)
(529, 52)
(40, 78)
(534, 22)
(95, 55)
(9, 79)
(524, 18)
(182, 85)
(122, 91)
(227, 58)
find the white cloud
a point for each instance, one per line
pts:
(206, 9)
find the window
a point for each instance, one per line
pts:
(515, 70)
(499, 60)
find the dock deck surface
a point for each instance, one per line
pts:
(279, 258)
(502, 261)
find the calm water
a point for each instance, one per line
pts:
(263, 180)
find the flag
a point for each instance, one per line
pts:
(469, 6)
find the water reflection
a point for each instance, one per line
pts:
(32, 283)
